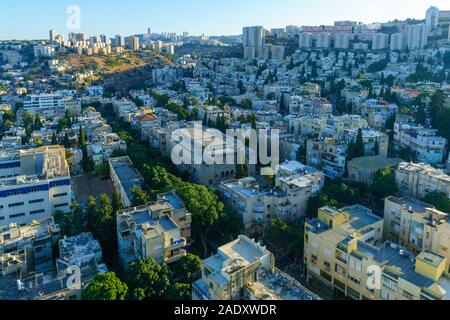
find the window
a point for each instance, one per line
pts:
(2, 218)
(339, 270)
(354, 279)
(18, 215)
(61, 205)
(355, 265)
(36, 201)
(408, 295)
(59, 195)
(37, 212)
(327, 266)
(18, 204)
(389, 283)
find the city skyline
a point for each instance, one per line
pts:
(196, 18)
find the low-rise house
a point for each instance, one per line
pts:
(364, 169)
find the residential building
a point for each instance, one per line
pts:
(328, 155)
(28, 248)
(342, 40)
(417, 226)
(150, 231)
(380, 41)
(364, 169)
(27, 267)
(417, 36)
(432, 17)
(397, 42)
(245, 270)
(256, 203)
(305, 40)
(125, 178)
(419, 179)
(343, 249)
(323, 40)
(34, 184)
(253, 41)
(425, 143)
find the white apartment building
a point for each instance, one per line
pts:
(253, 41)
(417, 36)
(380, 41)
(342, 40)
(424, 142)
(44, 101)
(34, 184)
(397, 42)
(323, 40)
(419, 179)
(257, 204)
(432, 17)
(305, 40)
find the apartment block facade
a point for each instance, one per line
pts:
(34, 184)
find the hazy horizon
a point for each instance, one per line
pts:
(18, 20)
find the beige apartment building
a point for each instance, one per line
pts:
(417, 226)
(419, 179)
(344, 251)
(151, 231)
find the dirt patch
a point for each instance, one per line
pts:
(85, 186)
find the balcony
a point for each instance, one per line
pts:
(177, 244)
(175, 257)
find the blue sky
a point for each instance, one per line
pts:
(31, 19)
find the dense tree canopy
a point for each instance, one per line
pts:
(148, 280)
(105, 287)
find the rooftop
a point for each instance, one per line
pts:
(129, 177)
(279, 286)
(375, 163)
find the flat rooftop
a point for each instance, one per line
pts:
(129, 177)
(279, 286)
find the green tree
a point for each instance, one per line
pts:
(148, 280)
(438, 199)
(102, 171)
(82, 137)
(188, 269)
(180, 291)
(287, 237)
(66, 141)
(105, 287)
(140, 197)
(384, 183)
(37, 125)
(360, 150)
(421, 117)
(116, 202)
(315, 203)
(102, 223)
(204, 206)
(54, 139)
(72, 223)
